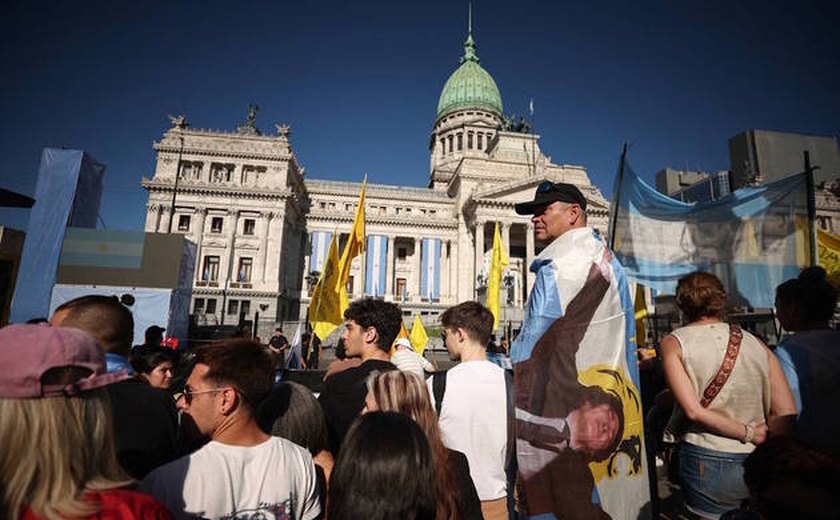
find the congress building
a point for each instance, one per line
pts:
(263, 227)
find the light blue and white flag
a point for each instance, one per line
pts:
(753, 239)
(376, 258)
(320, 246)
(430, 269)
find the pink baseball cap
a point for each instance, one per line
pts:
(27, 352)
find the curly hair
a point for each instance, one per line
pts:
(701, 295)
(384, 316)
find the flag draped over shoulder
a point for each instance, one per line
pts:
(498, 262)
(752, 239)
(329, 299)
(418, 336)
(828, 246)
(577, 349)
(356, 241)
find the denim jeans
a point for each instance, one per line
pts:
(712, 481)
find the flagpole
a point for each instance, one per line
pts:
(533, 138)
(812, 208)
(616, 195)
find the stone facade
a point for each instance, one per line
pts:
(242, 197)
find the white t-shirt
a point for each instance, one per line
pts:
(273, 480)
(473, 420)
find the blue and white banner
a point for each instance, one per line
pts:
(753, 239)
(320, 246)
(430, 269)
(375, 266)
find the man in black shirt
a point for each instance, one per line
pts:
(370, 328)
(278, 344)
(145, 418)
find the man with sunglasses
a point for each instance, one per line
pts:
(242, 472)
(579, 320)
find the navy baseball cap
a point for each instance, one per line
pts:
(548, 192)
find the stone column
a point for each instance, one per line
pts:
(265, 224)
(529, 257)
(163, 219)
(453, 271)
(230, 275)
(152, 218)
(201, 213)
(506, 238)
(389, 270)
(479, 249)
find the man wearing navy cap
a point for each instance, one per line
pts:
(556, 209)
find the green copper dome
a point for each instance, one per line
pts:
(470, 86)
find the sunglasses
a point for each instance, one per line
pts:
(546, 187)
(189, 392)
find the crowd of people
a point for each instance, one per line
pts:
(91, 427)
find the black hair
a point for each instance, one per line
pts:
(145, 359)
(810, 295)
(597, 396)
(384, 471)
(384, 316)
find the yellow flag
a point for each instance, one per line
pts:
(641, 312)
(329, 299)
(498, 263)
(828, 246)
(356, 241)
(403, 331)
(418, 336)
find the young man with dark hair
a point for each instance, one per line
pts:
(369, 330)
(242, 471)
(473, 411)
(145, 418)
(279, 345)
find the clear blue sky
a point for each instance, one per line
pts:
(359, 81)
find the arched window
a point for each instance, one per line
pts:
(469, 140)
(480, 141)
(460, 142)
(450, 144)
(442, 146)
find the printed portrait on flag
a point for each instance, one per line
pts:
(579, 421)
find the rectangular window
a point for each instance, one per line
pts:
(249, 227)
(216, 225)
(221, 172)
(481, 141)
(450, 144)
(183, 223)
(460, 142)
(233, 307)
(469, 140)
(210, 271)
(211, 306)
(399, 288)
(245, 307)
(245, 265)
(198, 308)
(402, 252)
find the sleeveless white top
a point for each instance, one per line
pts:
(746, 395)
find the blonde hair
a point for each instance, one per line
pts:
(55, 449)
(406, 393)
